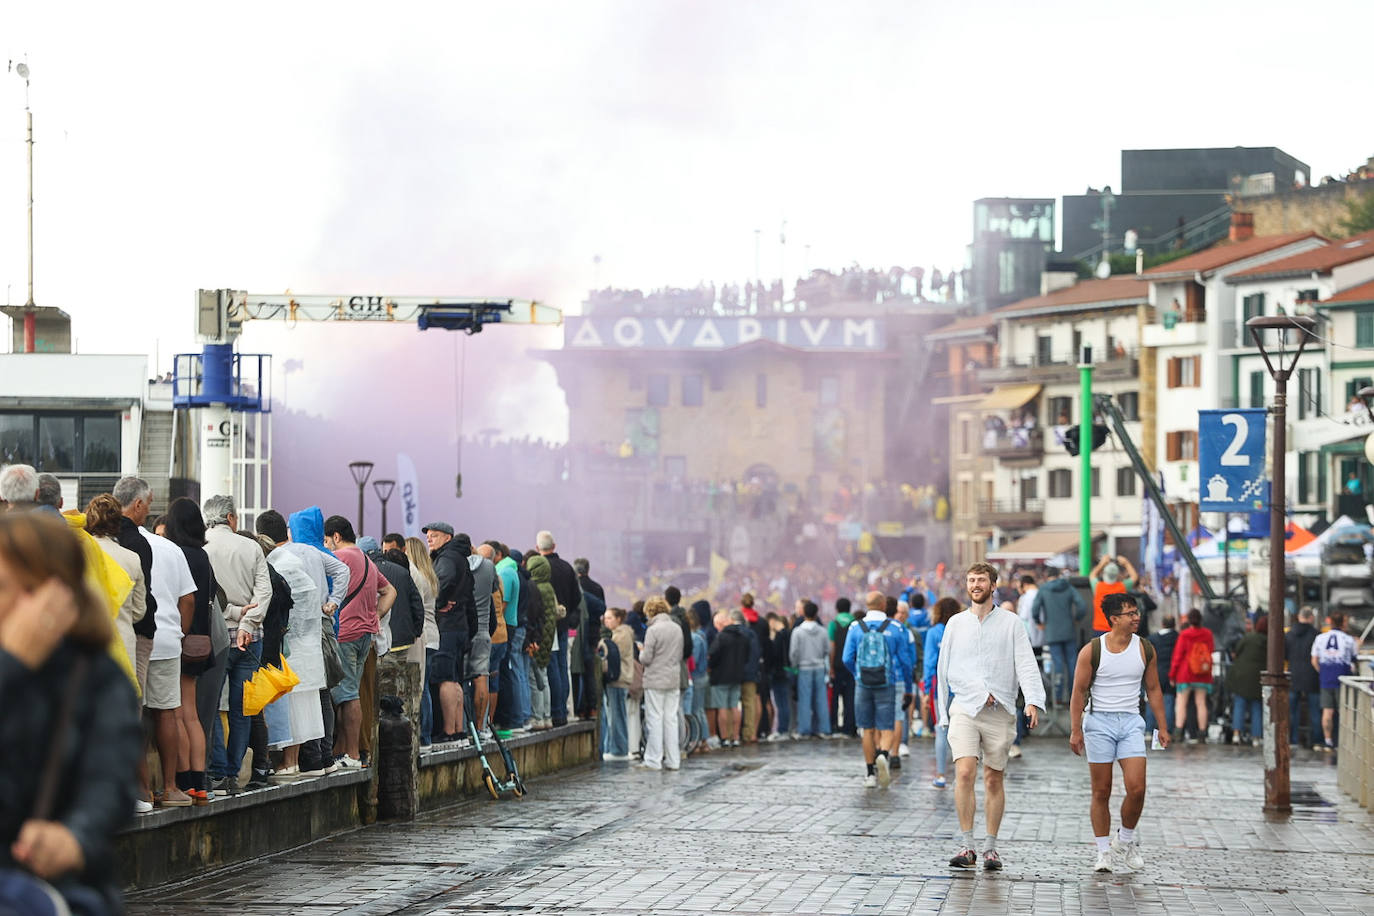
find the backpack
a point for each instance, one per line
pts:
(1199, 660)
(277, 619)
(1147, 650)
(610, 661)
(874, 656)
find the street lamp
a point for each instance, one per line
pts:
(30, 316)
(1275, 680)
(383, 489)
(361, 470)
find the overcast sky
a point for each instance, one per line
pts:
(495, 149)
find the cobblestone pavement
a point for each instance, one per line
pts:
(788, 828)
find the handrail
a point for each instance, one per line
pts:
(1189, 232)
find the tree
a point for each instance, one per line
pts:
(1359, 213)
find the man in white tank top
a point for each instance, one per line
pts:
(1106, 684)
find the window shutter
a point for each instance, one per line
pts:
(1197, 371)
(1173, 372)
(1171, 446)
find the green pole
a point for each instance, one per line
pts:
(1085, 455)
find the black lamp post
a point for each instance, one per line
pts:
(361, 470)
(1275, 680)
(383, 489)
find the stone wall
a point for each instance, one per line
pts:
(1312, 209)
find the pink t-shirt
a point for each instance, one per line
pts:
(359, 616)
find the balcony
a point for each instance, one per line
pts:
(1060, 368)
(1015, 444)
(1185, 333)
(1012, 514)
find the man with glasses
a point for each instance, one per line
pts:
(1107, 681)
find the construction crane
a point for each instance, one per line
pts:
(229, 388)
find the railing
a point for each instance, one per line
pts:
(1015, 442)
(1011, 512)
(1204, 230)
(1355, 763)
(1062, 359)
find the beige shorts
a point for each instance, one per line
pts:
(988, 735)
(143, 651)
(163, 687)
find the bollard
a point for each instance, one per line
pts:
(397, 792)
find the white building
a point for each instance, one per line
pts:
(1194, 323)
(1294, 285)
(1031, 486)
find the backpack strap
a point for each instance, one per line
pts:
(862, 626)
(1147, 649)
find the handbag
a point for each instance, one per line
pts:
(195, 650)
(329, 643)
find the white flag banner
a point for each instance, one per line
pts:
(408, 486)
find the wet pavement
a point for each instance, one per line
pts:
(789, 828)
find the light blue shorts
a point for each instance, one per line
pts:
(1113, 736)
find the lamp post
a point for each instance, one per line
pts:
(361, 470)
(1274, 679)
(30, 316)
(383, 489)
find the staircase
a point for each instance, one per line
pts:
(155, 456)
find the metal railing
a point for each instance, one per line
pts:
(1204, 230)
(1355, 762)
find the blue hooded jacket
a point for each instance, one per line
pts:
(307, 527)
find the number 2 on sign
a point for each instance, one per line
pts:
(1232, 456)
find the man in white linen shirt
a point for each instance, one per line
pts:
(985, 657)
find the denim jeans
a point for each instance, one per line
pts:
(227, 757)
(813, 715)
(495, 670)
(1063, 655)
(1314, 715)
(701, 686)
(518, 669)
(782, 702)
(1247, 716)
(941, 749)
(427, 704)
(615, 739)
(559, 686)
(539, 692)
(1150, 722)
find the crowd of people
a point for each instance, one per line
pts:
(140, 636)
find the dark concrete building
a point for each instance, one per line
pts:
(1013, 238)
(1173, 198)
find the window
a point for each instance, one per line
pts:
(62, 443)
(1096, 483)
(1364, 327)
(1044, 353)
(16, 439)
(1077, 352)
(1061, 483)
(693, 387)
(760, 390)
(1030, 487)
(1307, 295)
(965, 436)
(965, 497)
(1257, 389)
(830, 390)
(1181, 445)
(1125, 481)
(1309, 393)
(56, 444)
(1060, 412)
(1129, 402)
(1251, 307)
(1006, 271)
(100, 449)
(1352, 395)
(1185, 372)
(656, 390)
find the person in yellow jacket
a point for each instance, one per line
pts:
(111, 583)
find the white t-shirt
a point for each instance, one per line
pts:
(171, 580)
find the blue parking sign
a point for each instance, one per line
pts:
(1230, 452)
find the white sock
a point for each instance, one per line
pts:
(1104, 843)
(990, 844)
(966, 837)
(1126, 834)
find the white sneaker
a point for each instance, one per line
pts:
(776, 737)
(870, 781)
(349, 763)
(1128, 854)
(614, 757)
(903, 750)
(285, 775)
(1105, 861)
(1014, 752)
(884, 771)
(141, 806)
(713, 742)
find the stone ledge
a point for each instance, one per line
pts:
(433, 756)
(162, 817)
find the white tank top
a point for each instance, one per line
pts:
(1116, 688)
